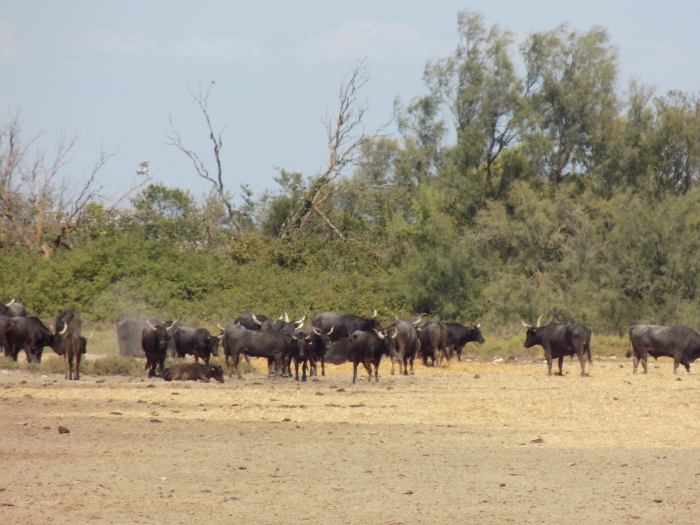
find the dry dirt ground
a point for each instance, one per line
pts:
(439, 447)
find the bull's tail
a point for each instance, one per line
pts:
(629, 349)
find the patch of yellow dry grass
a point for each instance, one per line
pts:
(510, 404)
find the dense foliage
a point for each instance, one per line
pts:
(505, 195)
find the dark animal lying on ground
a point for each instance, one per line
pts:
(193, 372)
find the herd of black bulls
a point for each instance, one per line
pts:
(331, 338)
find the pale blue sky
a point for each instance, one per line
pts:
(112, 71)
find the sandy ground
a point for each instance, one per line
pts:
(438, 447)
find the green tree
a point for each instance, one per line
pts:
(571, 89)
(479, 85)
(167, 214)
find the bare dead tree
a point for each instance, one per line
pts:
(37, 204)
(174, 139)
(345, 140)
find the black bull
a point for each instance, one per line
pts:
(459, 335)
(31, 335)
(404, 340)
(154, 341)
(250, 320)
(197, 342)
(339, 326)
(367, 348)
(13, 309)
(273, 346)
(678, 342)
(129, 333)
(560, 340)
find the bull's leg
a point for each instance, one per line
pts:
(676, 362)
(393, 362)
(459, 353)
(303, 371)
(296, 369)
(560, 362)
(635, 363)
(234, 363)
(229, 365)
(354, 371)
(405, 364)
(323, 365)
(411, 359)
(548, 358)
(368, 366)
(67, 360)
(77, 367)
(687, 367)
(582, 360)
(279, 366)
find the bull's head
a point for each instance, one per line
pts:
(83, 343)
(420, 317)
(213, 344)
(532, 337)
(162, 335)
(216, 372)
(476, 334)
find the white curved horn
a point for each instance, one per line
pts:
(525, 324)
(255, 320)
(50, 327)
(379, 334)
(316, 330)
(150, 325)
(11, 302)
(396, 332)
(417, 321)
(286, 317)
(220, 327)
(65, 329)
(301, 321)
(478, 325)
(331, 330)
(91, 334)
(539, 319)
(374, 314)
